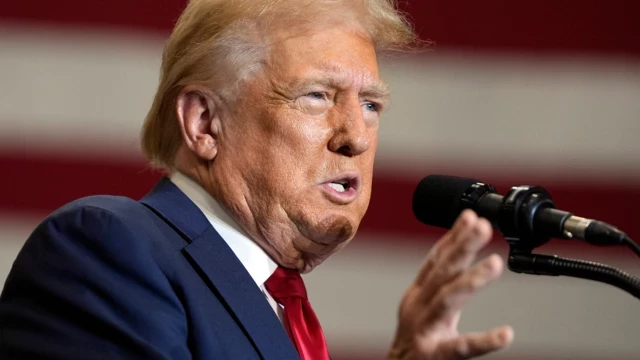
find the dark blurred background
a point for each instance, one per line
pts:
(512, 93)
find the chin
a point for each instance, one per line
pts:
(318, 232)
(310, 261)
(330, 229)
(304, 263)
(306, 259)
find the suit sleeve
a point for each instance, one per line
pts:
(86, 286)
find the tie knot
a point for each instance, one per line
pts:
(286, 283)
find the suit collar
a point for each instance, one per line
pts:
(216, 263)
(176, 209)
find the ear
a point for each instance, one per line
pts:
(198, 114)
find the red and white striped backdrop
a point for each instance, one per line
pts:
(516, 92)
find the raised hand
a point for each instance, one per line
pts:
(430, 309)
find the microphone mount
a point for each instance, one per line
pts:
(516, 215)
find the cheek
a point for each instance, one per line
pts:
(313, 133)
(294, 139)
(373, 135)
(367, 160)
(301, 156)
(280, 151)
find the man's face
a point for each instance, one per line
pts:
(295, 157)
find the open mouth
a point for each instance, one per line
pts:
(343, 189)
(340, 185)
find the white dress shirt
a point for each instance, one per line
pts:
(258, 264)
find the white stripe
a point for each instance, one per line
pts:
(62, 90)
(556, 114)
(76, 90)
(69, 91)
(356, 293)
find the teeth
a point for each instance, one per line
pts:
(338, 187)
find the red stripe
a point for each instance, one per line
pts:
(39, 183)
(147, 15)
(556, 26)
(543, 26)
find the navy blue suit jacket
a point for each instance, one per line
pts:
(108, 277)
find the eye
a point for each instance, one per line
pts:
(369, 106)
(317, 95)
(315, 102)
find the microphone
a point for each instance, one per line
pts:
(526, 215)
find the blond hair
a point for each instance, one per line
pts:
(219, 43)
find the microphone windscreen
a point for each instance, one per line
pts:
(436, 200)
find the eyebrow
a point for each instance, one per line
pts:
(378, 89)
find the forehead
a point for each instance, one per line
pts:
(342, 54)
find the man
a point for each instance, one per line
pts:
(266, 118)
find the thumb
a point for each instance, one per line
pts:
(475, 344)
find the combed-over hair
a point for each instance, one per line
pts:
(220, 43)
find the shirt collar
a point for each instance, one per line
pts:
(257, 262)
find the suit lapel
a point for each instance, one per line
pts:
(223, 272)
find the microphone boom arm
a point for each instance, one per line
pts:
(537, 264)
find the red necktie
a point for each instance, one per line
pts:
(287, 288)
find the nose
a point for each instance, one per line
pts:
(351, 135)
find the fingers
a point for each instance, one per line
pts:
(431, 307)
(456, 251)
(451, 297)
(459, 229)
(475, 344)
(463, 247)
